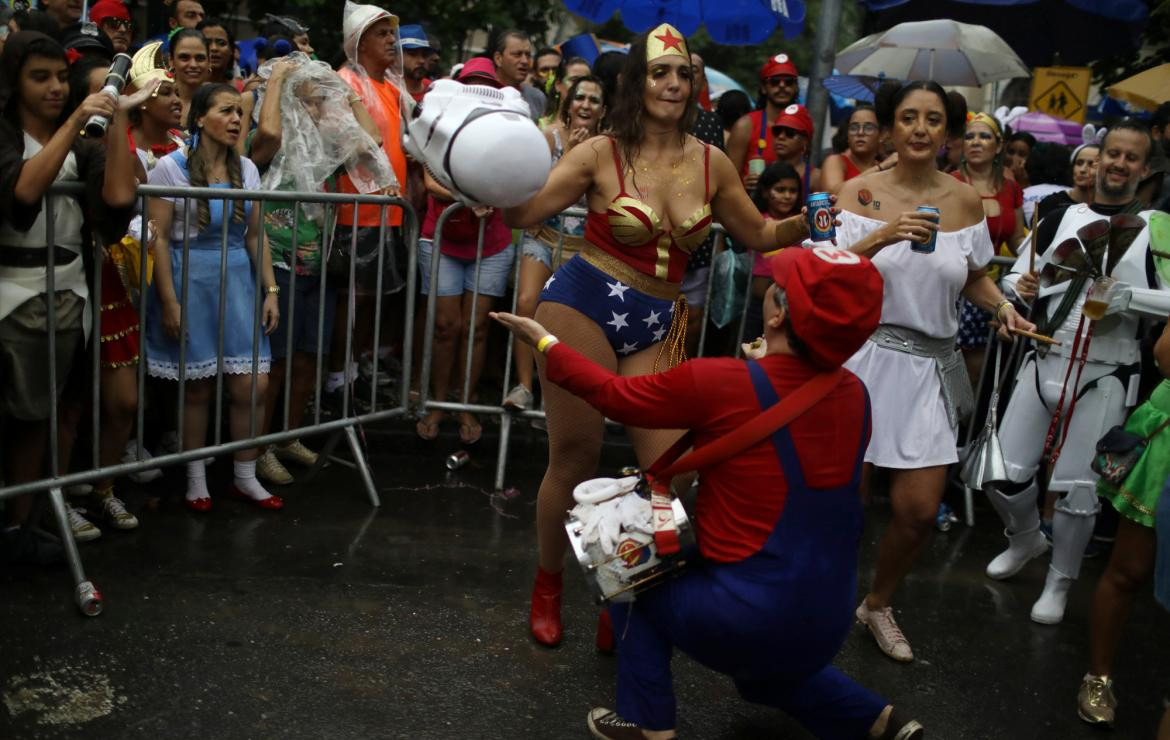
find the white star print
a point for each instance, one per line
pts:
(619, 320)
(672, 308)
(652, 319)
(627, 348)
(549, 282)
(659, 333)
(618, 289)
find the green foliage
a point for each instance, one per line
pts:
(1154, 49)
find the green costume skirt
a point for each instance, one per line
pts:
(1137, 498)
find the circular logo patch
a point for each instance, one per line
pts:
(864, 197)
(823, 219)
(632, 553)
(780, 58)
(836, 256)
(792, 110)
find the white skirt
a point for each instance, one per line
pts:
(910, 424)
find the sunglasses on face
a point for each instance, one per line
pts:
(786, 132)
(580, 97)
(118, 24)
(863, 128)
(778, 80)
(980, 135)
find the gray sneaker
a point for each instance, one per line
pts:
(83, 529)
(519, 398)
(885, 632)
(607, 725)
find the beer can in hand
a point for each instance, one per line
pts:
(928, 247)
(820, 218)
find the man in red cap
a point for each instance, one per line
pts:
(113, 17)
(751, 136)
(769, 599)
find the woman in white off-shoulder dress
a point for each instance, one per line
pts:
(916, 380)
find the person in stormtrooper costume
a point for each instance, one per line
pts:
(1108, 380)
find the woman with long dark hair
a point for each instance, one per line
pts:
(189, 56)
(916, 380)
(210, 160)
(653, 191)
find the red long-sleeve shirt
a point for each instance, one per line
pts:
(740, 499)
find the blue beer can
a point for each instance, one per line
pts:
(928, 247)
(820, 217)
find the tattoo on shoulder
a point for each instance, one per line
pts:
(864, 197)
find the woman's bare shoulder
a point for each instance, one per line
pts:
(964, 198)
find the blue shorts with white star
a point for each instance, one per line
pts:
(631, 320)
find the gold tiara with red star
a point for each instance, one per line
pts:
(664, 41)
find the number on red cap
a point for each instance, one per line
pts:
(836, 256)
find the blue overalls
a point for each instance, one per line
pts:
(773, 622)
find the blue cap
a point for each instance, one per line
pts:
(413, 37)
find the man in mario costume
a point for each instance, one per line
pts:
(768, 600)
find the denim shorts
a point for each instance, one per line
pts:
(457, 276)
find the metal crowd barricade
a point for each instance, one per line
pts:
(506, 416)
(86, 594)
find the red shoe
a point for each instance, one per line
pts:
(201, 505)
(605, 633)
(272, 503)
(544, 621)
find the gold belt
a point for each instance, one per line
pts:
(620, 270)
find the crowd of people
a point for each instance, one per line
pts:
(904, 299)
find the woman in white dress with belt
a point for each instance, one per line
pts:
(916, 379)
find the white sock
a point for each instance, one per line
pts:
(333, 381)
(353, 370)
(246, 480)
(196, 480)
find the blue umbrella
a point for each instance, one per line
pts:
(854, 87)
(1132, 11)
(731, 22)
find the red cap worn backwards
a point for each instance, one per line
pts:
(780, 64)
(103, 9)
(834, 300)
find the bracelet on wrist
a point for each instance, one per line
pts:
(1000, 306)
(545, 342)
(272, 290)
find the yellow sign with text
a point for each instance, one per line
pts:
(1061, 91)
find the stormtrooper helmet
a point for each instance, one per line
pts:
(479, 143)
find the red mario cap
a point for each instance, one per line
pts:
(780, 64)
(796, 116)
(834, 300)
(479, 71)
(104, 9)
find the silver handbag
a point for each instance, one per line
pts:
(984, 464)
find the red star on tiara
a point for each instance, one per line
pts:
(670, 41)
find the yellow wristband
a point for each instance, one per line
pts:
(999, 306)
(545, 342)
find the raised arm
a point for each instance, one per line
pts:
(266, 140)
(732, 207)
(569, 180)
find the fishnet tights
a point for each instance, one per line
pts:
(575, 429)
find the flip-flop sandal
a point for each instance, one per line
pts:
(469, 433)
(428, 431)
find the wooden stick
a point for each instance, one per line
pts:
(1030, 335)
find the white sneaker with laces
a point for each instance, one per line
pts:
(83, 529)
(885, 632)
(131, 455)
(269, 469)
(115, 513)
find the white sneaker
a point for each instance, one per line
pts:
(885, 632)
(131, 455)
(115, 513)
(269, 469)
(519, 398)
(1022, 547)
(83, 529)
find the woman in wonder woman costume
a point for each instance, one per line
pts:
(653, 192)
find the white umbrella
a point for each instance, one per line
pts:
(946, 51)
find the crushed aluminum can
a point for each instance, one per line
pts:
(457, 460)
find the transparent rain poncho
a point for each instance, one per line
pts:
(319, 134)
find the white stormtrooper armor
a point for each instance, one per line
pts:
(1108, 386)
(479, 143)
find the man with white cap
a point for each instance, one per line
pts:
(373, 69)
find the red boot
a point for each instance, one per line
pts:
(605, 632)
(544, 621)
